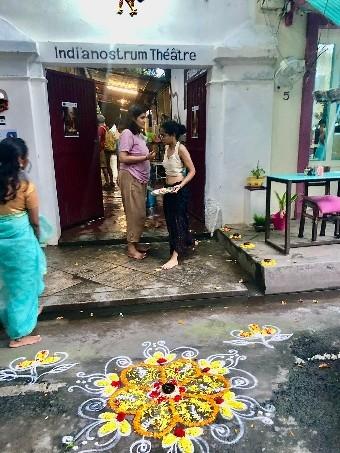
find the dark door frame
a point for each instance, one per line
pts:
(315, 22)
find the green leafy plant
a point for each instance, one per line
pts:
(150, 136)
(259, 220)
(282, 200)
(258, 172)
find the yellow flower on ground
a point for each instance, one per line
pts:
(159, 358)
(255, 329)
(227, 402)
(266, 331)
(217, 367)
(114, 422)
(267, 262)
(247, 245)
(182, 439)
(25, 364)
(236, 236)
(245, 334)
(42, 358)
(110, 384)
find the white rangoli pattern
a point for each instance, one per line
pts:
(172, 399)
(255, 334)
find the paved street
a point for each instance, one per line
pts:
(278, 406)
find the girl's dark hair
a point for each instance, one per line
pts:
(134, 112)
(11, 149)
(173, 128)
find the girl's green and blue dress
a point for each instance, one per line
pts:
(22, 263)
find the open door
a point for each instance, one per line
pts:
(196, 138)
(72, 102)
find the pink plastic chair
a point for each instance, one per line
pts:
(325, 208)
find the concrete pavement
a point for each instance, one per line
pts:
(95, 277)
(281, 405)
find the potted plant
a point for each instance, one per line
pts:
(257, 176)
(279, 218)
(259, 223)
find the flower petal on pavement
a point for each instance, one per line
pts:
(181, 370)
(208, 385)
(124, 428)
(196, 411)
(142, 375)
(154, 420)
(128, 400)
(169, 440)
(108, 428)
(186, 445)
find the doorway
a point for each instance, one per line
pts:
(110, 93)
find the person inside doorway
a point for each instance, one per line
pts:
(105, 153)
(22, 261)
(319, 140)
(134, 174)
(179, 171)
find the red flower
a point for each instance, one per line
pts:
(121, 417)
(206, 370)
(182, 389)
(161, 361)
(161, 399)
(116, 383)
(219, 400)
(177, 398)
(179, 432)
(154, 394)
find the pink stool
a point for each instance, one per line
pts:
(325, 208)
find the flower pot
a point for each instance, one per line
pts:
(252, 181)
(259, 228)
(279, 221)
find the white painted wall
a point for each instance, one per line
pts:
(247, 121)
(286, 114)
(291, 42)
(238, 135)
(160, 21)
(28, 113)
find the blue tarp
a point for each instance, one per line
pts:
(328, 8)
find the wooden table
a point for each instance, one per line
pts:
(308, 181)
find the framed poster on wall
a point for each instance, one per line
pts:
(194, 122)
(71, 120)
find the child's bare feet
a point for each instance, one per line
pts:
(25, 341)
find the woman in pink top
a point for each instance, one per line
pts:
(134, 174)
